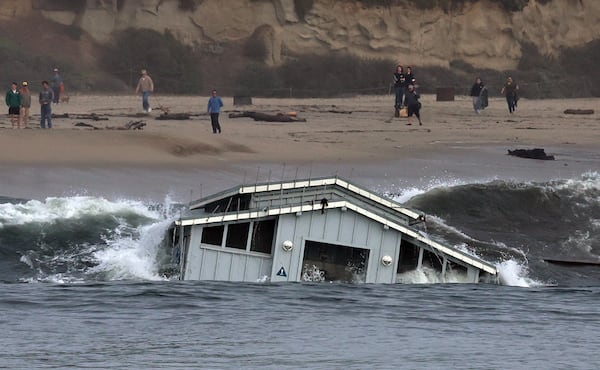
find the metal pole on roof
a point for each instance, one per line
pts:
(283, 172)
(281, 187)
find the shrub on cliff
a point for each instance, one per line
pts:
(174, 67)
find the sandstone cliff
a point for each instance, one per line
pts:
(480, 33)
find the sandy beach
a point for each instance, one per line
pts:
(351, 137)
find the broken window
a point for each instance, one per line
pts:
(263, 233)
(237, 235)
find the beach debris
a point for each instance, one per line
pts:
(537, 153)
(173, 116)
(163, 109)
(83, 124)
(578, 111)
(133, 125)
(91, 116)
(258, 116)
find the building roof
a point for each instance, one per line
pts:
(308, 183)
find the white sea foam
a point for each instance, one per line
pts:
(128, 252)
(131, 257)
(515, 273)
(428, 275)
(66, 208)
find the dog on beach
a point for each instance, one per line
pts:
(64, 98)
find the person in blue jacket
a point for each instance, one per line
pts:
(214, 107)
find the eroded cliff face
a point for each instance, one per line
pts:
(481, 33)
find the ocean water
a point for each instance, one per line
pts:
(82, 286)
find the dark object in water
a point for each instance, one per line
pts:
(572, 262)
(578, 111)
(537, 153)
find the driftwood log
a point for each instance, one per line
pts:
(579, 111)
(258, 116)
(537, 153)
(92, 116)
(83, 124)
(173, 116)
(133, 125)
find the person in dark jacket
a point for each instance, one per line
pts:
(399, 87)
(13, 101)
(46, 98)
(412, 103)
(57, 85)
(510, 92)
(410, 77)
(476, 92)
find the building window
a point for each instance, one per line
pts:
(213, 235)
(408, 260)
(263, 233)
(238, 202)
(237, 235)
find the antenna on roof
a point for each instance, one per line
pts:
(245, 173)
(281, 186)
(191, 197)
(283, 172)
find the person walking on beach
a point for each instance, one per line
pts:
(57, 85)
(25, 104)
(214, 108)
(399, 89)
(46, 98)
(476, 94)
(13, 101)
(412, 103)
(145, 86)
(510, 91)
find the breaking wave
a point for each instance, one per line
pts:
(80, 238)
(516, 225)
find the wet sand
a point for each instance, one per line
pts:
(355, 138)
